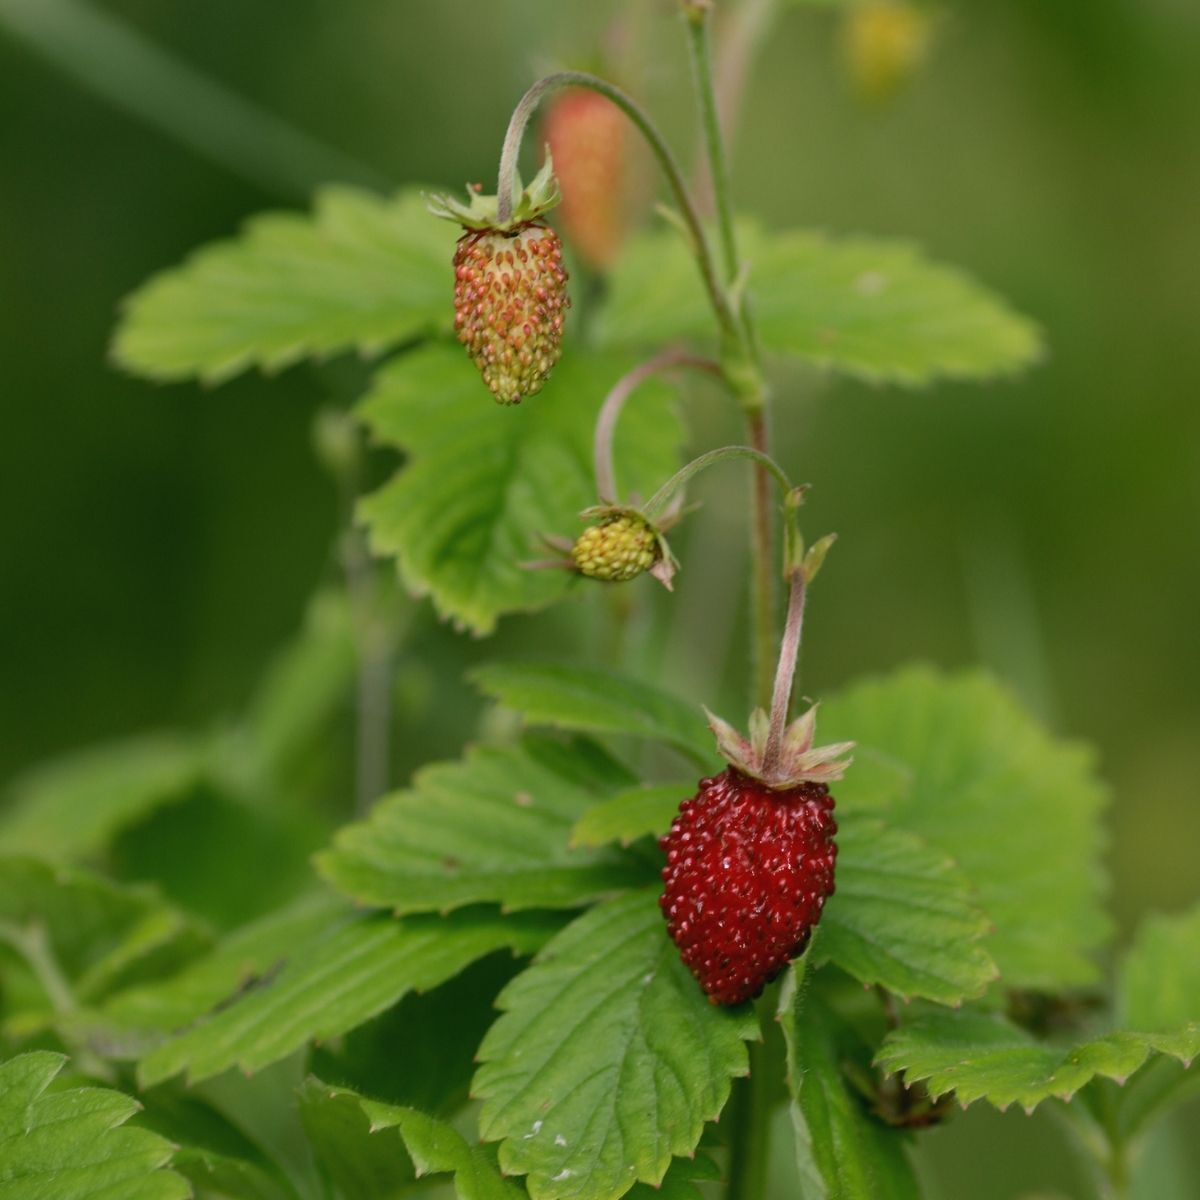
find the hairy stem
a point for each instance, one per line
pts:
(785, 672)
(614, 402)
(506, 185)
(763, 598)
(765, 463)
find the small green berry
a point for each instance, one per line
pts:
(617, 549)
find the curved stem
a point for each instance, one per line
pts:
(658, 501)
(614, 402)
(506, 185)
(785, 672)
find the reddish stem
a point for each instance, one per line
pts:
(614, 402)
(785, 672)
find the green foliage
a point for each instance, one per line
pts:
(75, 937)
(481, 488)
(1158, 986)
(74, 1144)
(494, 827)
(335, 983)
(982, 1055)
(842, 1152)
(903, 916)
(346, 1130)
(608, 1059)
(631, 814)
(137, 1018)
(211, 1151)
(363, 272)
(1016, 810)
(874, 309)
(598, 701)
(72, 807)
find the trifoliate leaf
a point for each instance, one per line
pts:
(373, 1150)
(903, 916)
(608, 1058)
(331, 985)
(493, 828)
(631, 814)
(72, 807)
(361, 272)
(1017, 810)
(842, 1151)
(75, 1145)
(598, 701)
(484, 484)
(981, 1055)
(867, 307)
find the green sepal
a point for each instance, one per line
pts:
(482, 212)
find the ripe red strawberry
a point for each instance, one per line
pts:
(750, 860)
(589, 140)
(510, 296)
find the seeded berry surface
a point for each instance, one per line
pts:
(747, 876)
(510, 298)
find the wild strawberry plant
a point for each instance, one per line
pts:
(553, 966)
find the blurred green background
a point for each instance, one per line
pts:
(160, 543)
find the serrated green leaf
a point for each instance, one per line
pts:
(679, 1183)
(74, 1145)
(358, 1165)
(96, 935)
(483, 484)
(335, 983)
(362, 272)
(346, 1127)
(72, 807)
(136, 1019)
(421, 1053)
(903, 916)
(842, 1152)
(631, 814)
(494, 828)
(871, 308)
(980, 1055)
(598, 701)
(1017, 810)
(608, 1059)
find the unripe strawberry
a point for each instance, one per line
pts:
(589, 140)
(617, 549)
(750, 858)
(510, 298)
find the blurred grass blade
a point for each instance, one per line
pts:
(132, 74)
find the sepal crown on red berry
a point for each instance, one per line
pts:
(796, 760)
